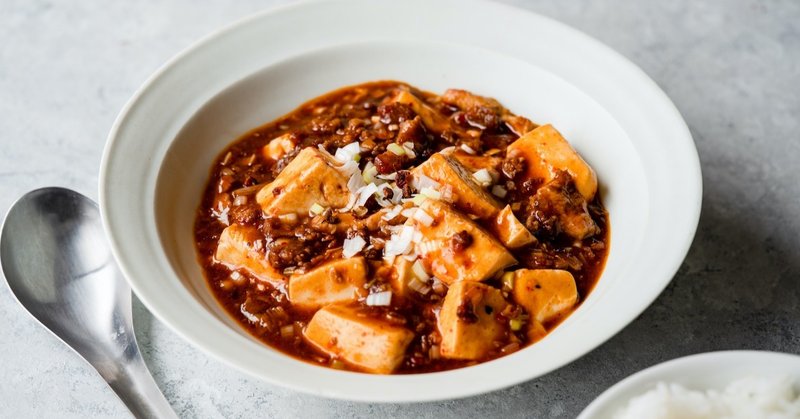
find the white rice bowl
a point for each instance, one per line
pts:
(773, 397)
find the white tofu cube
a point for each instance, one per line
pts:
(368, 343)
(479, 260)
(468, 320)
(468, 196)
(243, 247)
(510, 231)
(546, 152)
(546, 294)
(336, 281)
(311, 178)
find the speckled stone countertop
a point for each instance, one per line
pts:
(731, 67)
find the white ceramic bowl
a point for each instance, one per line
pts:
(159, 153)
(712, 370)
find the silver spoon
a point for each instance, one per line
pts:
(58, 264)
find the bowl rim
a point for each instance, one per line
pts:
(692, 194)
(655, 373)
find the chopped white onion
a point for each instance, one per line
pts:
(383, 298)
(418, 286)
(397, 194)
(356, 182)
(325, 152)
(365, 193)
(499, 191)
(400, 244)
(390, 176)
(421, 181)
(417, 237)
(348, 168)
(408, 148)
(423, 217)
(352, 246)
(420, 272)
(483, 177)
(468, 149)
(350, 152)
(392, 213)
(430, 193)
(418, 199)
(350, 202)
(408, 212)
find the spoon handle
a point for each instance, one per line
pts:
(132, 382)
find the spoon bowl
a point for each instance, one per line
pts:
(58, 264)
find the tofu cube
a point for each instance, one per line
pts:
(340, 280)
(473, 163)
(536, 331)
(546, 294)
(368, 343)
(433, 121)
(278, 147)
(546, 152)
(310, 178)
(468, 320)
(243, 247)
(468, 196)
(401, 275)
(479, 260)
(510, 231)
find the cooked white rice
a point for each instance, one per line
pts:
(751, 397)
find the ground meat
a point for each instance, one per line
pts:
(466, 312)
(483, 117)
(460, 241)
(530, 186)
(245, 214)
(388, 162)
(403, 181)
(288, 252)
(395, 113)
(512, 166)
(558, 207)
(547, 257)
(325, 125)
(412, 131)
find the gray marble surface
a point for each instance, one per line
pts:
(731, 67)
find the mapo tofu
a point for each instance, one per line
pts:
(383, 229)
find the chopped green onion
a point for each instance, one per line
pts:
(508, 280)
(370, 172)
(317, 209)
(418, 199)
(430, 193)
(396, 149)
